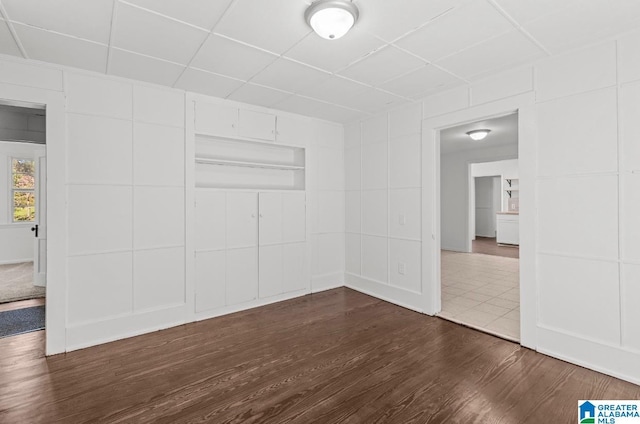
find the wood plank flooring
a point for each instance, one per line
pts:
(334, 357)
(20, 304)
(489, 246)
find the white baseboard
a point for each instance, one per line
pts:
(226, 310)
(15, 261)
(320, 283)
(391, 294)
(611, 360)
(122, 327)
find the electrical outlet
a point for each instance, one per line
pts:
(403, 220)
(402, 268)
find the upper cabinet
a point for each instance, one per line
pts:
(258, 125)
(229, 121)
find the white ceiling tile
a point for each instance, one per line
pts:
(334, 90)
(372, 101)
(153, 35)
(81, 18)
(382, 66)
(298, 104)
(258, 95)
(202, 13)
(585, 23)
(422, 81)
(524, 11)
(274, 25)
(333, 55)
(227, 57)
(56, 48)
(468, 24)
(391, 19)
(143, 68)
(207, 83)
(497, 54)
(338, 114)
(7, 43)
(290, 76)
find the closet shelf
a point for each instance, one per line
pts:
(245, 164)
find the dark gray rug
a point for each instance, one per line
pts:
(21, 321)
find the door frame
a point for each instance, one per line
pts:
(56, 289)
(524, 104)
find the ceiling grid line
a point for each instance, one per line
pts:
(114, 13)
(13, 32)
(203, 42)
(519, 27)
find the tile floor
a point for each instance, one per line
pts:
(482, 291)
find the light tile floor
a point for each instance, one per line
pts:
(482, 291)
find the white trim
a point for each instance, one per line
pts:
(16, 261)
(327, 281)
(404, 298)
(524, 104)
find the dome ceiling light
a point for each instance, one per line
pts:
(478, 135)
(331, 19)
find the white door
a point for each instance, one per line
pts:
(242, 275)
(294, 216)
(270, 270)
(242, 220)
(270, 218)
(40, 225)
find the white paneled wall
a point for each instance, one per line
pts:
(584, 271)
(125, 203)
(383, 202)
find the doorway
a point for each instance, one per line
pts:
(479, 266)
(23, 246)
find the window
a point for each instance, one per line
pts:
(23, 185)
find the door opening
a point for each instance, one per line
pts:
(479, 227)
(23, 229)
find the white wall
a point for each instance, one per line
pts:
(580, 262)
(454, 191)
(124, 201)
(16, 239)
(383, 228)
(487, 203)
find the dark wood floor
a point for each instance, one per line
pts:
(489, 246)
(334, 357)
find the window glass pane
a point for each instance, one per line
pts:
(23, 171)
(24, 206)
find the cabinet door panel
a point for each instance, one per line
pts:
(257, 125)
(210, 220)
(210, 280)
(270, 270)
(270, 218)
(242, 275)
(216, 119)
(294, 217)
(242, 221)
(295, 276)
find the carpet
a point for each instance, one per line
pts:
(21, 321)
(16, 283)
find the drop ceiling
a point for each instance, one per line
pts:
(262, 52)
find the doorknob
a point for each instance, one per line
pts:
(35, 229)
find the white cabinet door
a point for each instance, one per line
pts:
(216, 119)
(294, 217)
(293, 131)
(210, 220)
(242, 275)
(210, 280)
(270, 270)
(242, 220)
(257, 125)
(508, 229)
(270, 218)
(294, 258)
